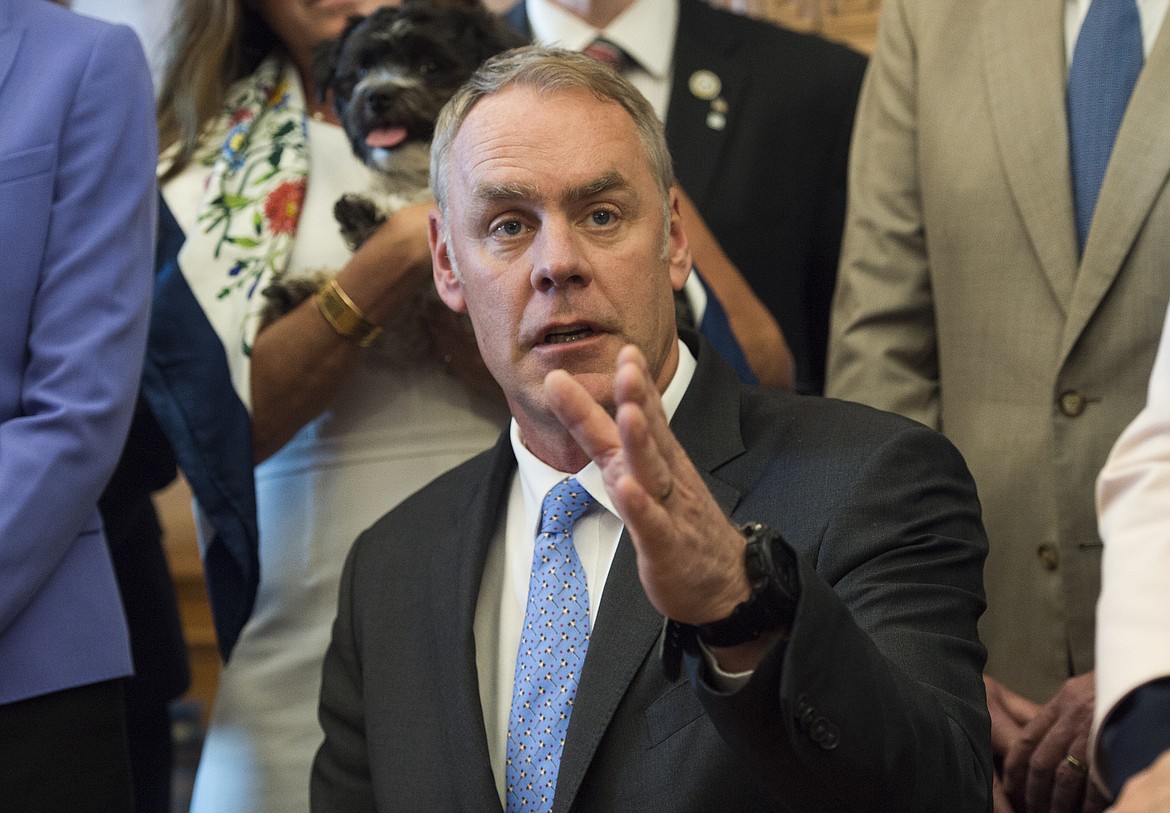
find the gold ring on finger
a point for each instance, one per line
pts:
(1074, 763)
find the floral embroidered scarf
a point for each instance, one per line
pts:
(240, 236)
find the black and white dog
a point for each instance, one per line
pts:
(389, 74)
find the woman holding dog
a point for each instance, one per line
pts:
(344, 423)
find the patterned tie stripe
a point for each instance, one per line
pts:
(552, 650)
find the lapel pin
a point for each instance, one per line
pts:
(716, 120)
(704, 85)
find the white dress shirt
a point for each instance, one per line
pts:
(645, 31)
(1133, 504)
(503, 591)
(1152, 13)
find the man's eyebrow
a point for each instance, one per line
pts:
(607, 182)
(504, 192)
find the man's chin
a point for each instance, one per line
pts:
(599, 385)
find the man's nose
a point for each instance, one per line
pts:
(557, 257)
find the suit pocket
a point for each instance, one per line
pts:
(675, 710)
(26, 164)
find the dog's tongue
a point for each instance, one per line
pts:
(386, 137)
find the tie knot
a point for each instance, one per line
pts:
(563, 506)
(605, 51)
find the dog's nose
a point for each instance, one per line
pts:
(379, 102)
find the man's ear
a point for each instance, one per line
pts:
(678, 250)
(447, 281)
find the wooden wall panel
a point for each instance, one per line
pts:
(850, 21)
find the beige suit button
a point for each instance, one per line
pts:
(1048, 556)
(1072, 403)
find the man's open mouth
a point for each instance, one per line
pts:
(568, 335)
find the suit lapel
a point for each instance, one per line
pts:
(456, 571)
(696, 147)
(1136, 175)
(627, 623)
(1024, 59)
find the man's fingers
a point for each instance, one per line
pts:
(1021, 709)
(1016, 767)
(1068, 787)
(643, 391)
(645, 455)
(1010, 713)
(1095, 799)
(1056, 782)
(1018, 764)
(585, 420)
(1000, 803)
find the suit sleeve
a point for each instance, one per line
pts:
(882, 347)
(1133, 497)
(88, 321)
(875, 702)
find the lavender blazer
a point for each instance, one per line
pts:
(77, 212)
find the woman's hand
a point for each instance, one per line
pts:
(299, 360)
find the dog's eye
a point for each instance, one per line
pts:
(362, 73)
(428, 66)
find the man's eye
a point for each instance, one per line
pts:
(510, 228)
(601, 217)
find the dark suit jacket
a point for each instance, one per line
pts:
(147, 465)
(771, 184)
(874, 703)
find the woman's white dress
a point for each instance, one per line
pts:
(394, 425)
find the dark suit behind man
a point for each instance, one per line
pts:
(771, 183)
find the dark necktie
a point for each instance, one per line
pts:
(1105, 66)
(552, 650)
(605, 51)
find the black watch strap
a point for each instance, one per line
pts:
(772, 572)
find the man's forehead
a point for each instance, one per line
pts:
(506, 142)
(524, 115)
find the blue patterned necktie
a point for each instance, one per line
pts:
(552, 651)
(1105, 67)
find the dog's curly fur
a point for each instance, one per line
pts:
(396, 67)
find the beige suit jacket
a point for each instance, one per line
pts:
(1133, 493)
(962, 303)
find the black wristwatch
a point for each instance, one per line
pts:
(772, 573)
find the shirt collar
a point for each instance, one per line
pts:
(645, 31)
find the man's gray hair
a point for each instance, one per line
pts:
(547, 70)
